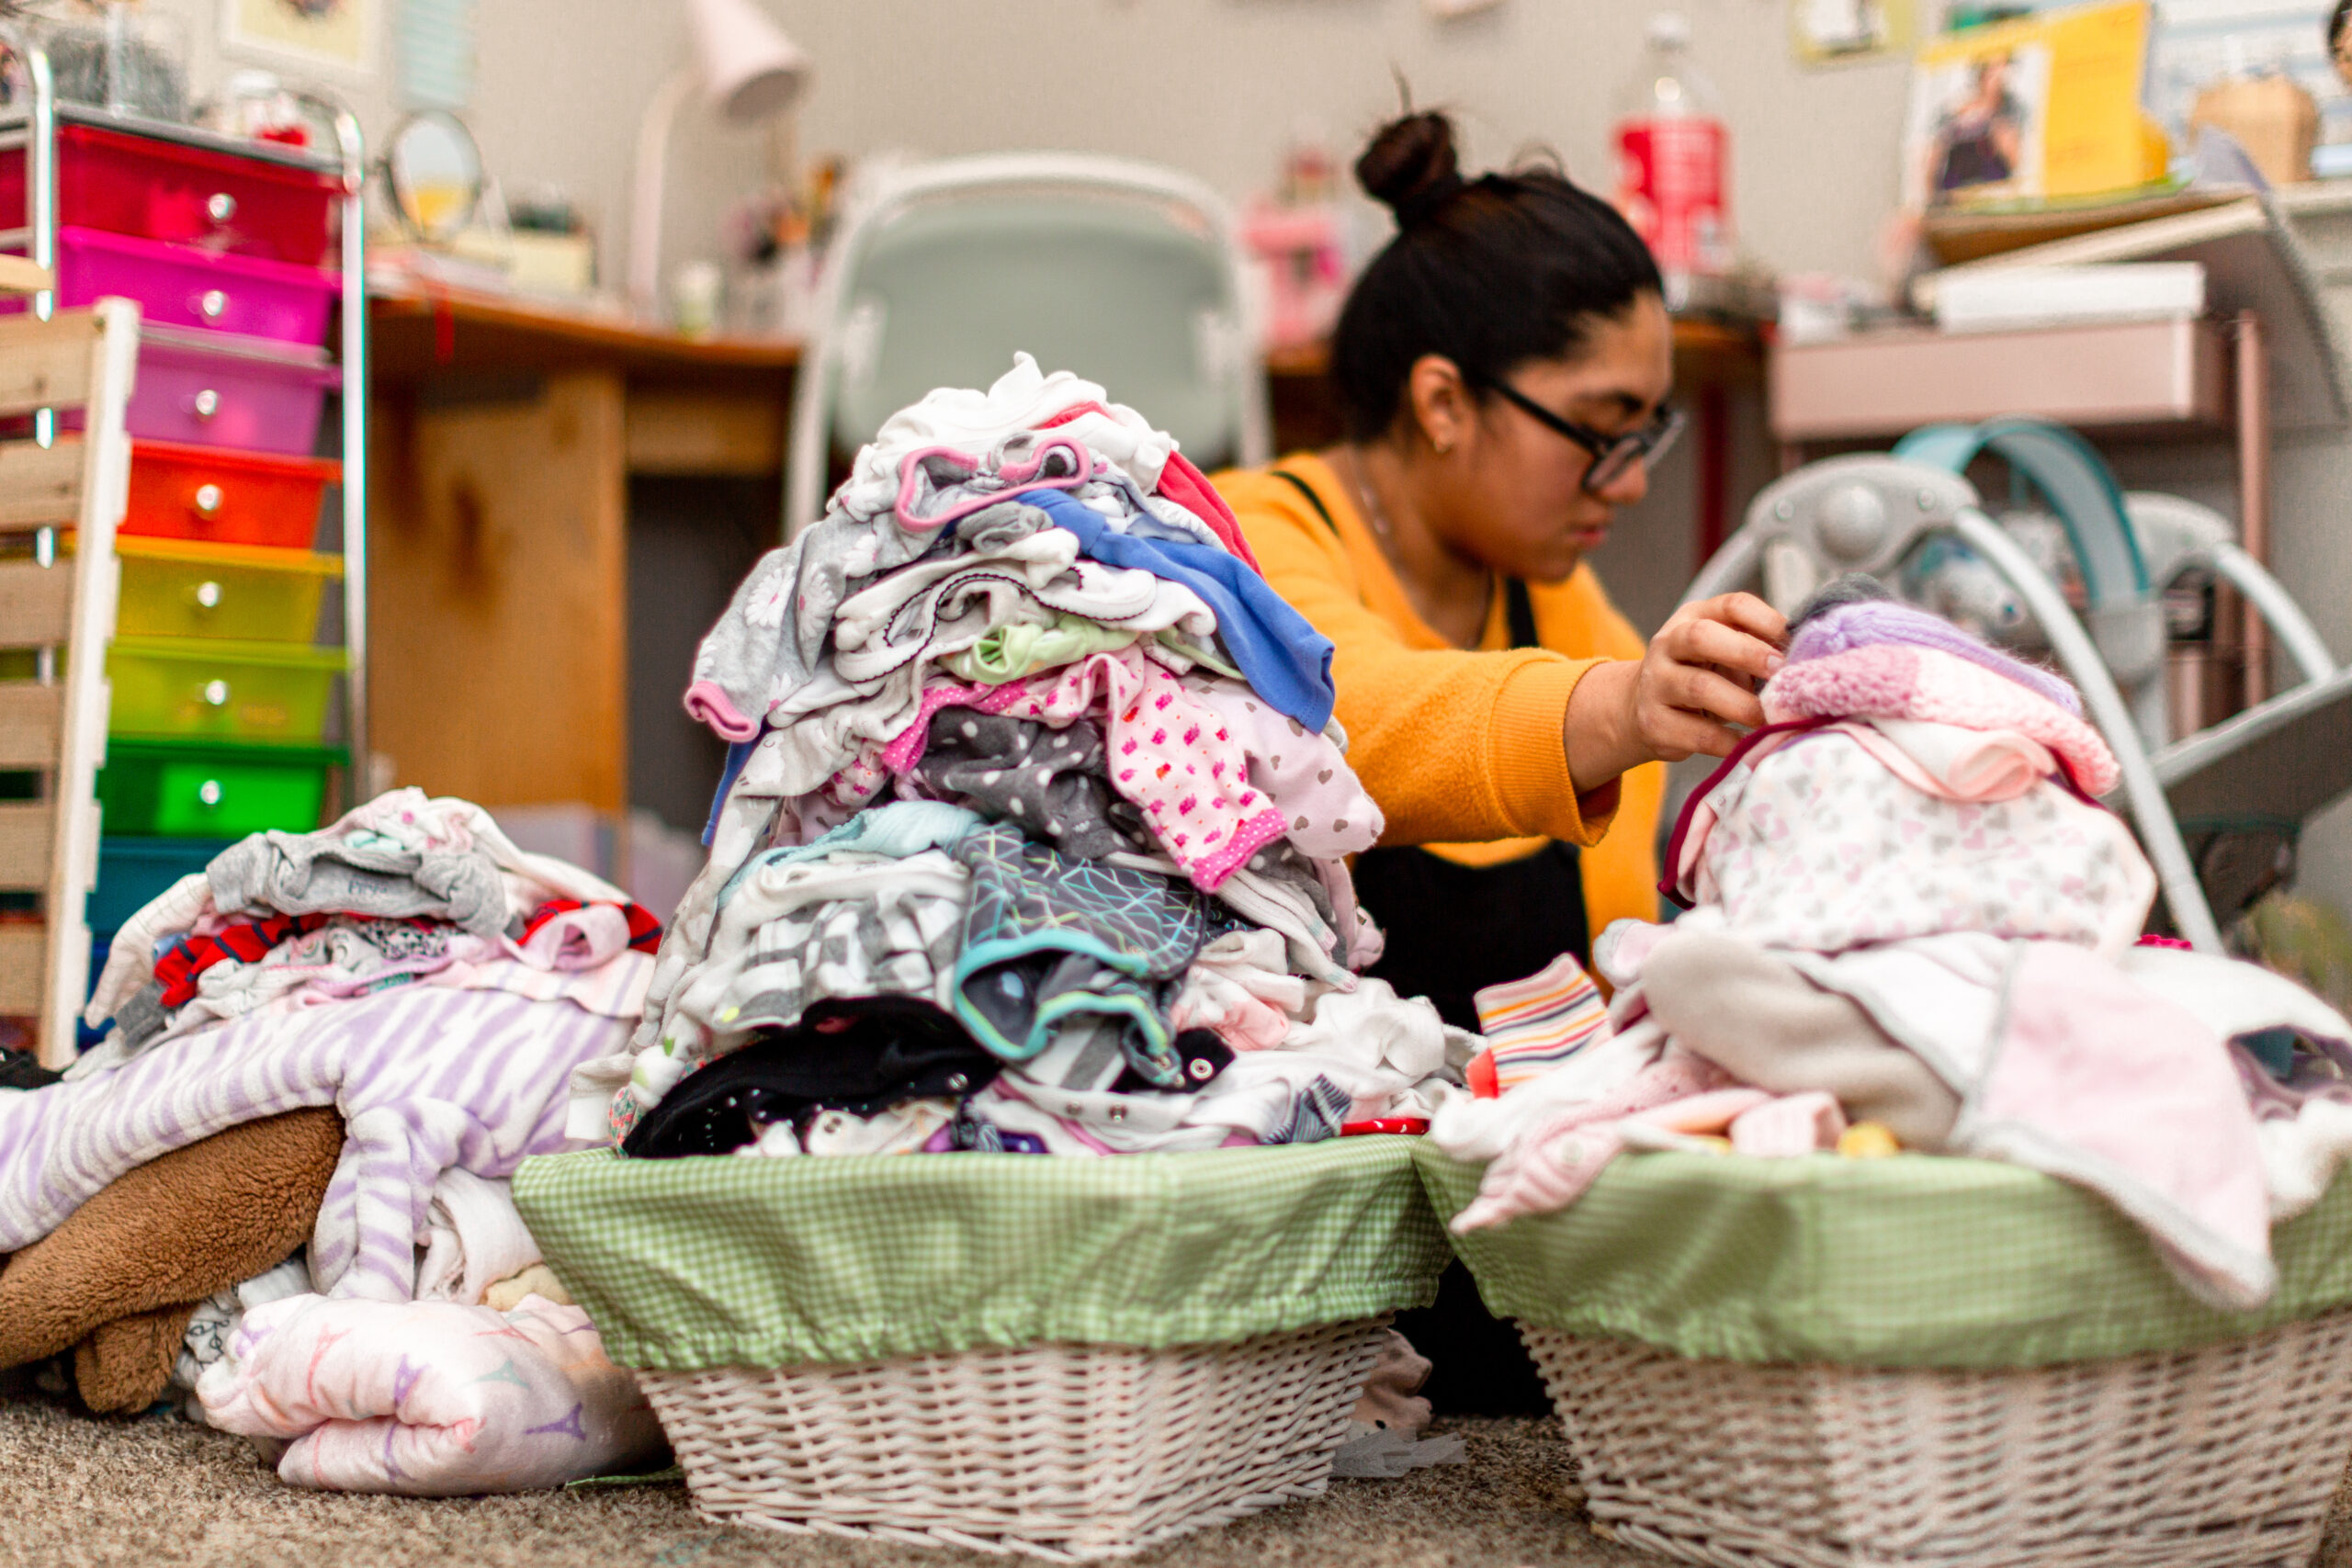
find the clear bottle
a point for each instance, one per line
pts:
(1674, 162)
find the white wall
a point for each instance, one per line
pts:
(1213, 86)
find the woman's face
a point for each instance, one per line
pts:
(1521, 505)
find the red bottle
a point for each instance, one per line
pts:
(1674, 162)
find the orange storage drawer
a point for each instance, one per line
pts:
(223, 497)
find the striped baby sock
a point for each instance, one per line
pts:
(1533, 1025)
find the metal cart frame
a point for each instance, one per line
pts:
(35, 127)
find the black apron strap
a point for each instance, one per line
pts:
(1312, 500)
(1518, 614)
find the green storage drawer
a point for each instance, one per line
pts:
(165, 791)
(221, 689)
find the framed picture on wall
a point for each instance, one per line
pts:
(329, 38)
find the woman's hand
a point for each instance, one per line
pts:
(1693, 690)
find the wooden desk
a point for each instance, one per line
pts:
(499, 583)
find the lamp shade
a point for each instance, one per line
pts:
(749, 70)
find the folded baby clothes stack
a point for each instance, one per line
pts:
(1033, 829)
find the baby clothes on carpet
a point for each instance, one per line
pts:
(384, 855)
(429, 1399)
(471, 1238)
(1384, 1429)
(216, 1319)
(427, 1078)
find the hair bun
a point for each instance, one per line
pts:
(1411, 166)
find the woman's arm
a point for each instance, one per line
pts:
(1697, 680)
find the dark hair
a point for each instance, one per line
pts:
(1490, 273)
(2335, 24)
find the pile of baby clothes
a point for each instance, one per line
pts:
(1031, 833)
(1907, 910)
(329, 1052)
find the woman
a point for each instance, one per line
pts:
(1503, 366)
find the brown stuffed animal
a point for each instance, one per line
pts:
(118, 1280)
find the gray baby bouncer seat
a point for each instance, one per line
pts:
(2219, 808)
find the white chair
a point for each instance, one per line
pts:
(1128, 273)
(2280, 761)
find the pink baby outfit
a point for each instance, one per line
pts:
(1328, 813)
(1169, 754)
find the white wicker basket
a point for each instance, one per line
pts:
(2213, 1458)
(1066, 1451)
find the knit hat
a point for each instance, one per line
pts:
(1855, 612)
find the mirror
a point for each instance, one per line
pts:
(435, 171)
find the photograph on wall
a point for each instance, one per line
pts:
(337, 37)
(1977, 127)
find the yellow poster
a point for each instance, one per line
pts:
(2042, 109)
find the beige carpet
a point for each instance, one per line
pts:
(75, 1490)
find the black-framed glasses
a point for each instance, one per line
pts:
(1611, 455)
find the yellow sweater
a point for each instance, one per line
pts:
(1462, 749)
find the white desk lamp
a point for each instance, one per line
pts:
(748, 70)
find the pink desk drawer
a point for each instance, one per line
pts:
(176, 287)
(191, 196)
(240, 395)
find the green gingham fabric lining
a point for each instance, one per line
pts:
(1910, 1262)
(687, 1264)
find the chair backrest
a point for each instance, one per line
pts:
(1127, 273)
(56, 618)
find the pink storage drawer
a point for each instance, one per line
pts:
(212, 198)
(178, 287)
(254, 395)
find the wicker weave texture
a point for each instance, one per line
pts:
(2214, 1458)
(1065, 1451)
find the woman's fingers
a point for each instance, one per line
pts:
(1674, 734)
(1706, 691)
(1707, 642)
(1751, 614)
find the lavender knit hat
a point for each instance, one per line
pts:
(1855, 611)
